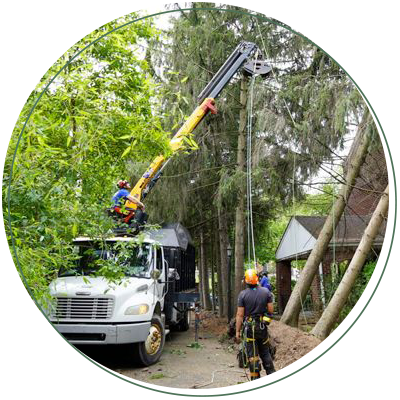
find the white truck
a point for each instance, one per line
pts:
(154, 296)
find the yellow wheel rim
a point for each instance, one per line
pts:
(153, 341)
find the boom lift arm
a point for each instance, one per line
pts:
(243, 52)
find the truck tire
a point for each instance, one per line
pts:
(184, 323)
(149, 352)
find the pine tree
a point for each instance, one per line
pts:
(301, 116)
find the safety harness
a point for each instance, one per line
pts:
(250, 323)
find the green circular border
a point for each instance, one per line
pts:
(264, 19)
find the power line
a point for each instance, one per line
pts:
(199, 170)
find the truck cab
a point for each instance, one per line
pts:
(152, 294)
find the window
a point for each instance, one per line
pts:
(91, 256)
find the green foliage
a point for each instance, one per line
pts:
(318, 204)
(104, 112)
(97, 109)
(270, 234)
(157, 376)
(331, 283)
(269, 238)
(195, 345)
(178, 352)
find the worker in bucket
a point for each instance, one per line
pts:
(253, 316)
(119, 199)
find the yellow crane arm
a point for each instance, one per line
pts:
(176, 144)
(238, 59)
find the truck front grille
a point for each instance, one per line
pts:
(84, 308)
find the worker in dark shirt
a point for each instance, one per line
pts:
(254, 310)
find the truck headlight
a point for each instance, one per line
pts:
(137, 310)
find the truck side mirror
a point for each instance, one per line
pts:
(173, 274)
(155, 274)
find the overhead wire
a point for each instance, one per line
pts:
(199, 170)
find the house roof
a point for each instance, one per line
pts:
(349, 229)
(302, 232)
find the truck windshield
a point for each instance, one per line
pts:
(132, 261)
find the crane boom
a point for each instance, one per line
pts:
(235, 61)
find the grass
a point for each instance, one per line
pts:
(178, 352)
(158, 376)
(195, 345)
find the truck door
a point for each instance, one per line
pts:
(161, 282)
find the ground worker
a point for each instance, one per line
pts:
(264, 282)
(119, 199)
(254, 313)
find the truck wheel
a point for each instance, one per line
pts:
(184, 323)
(150, 351)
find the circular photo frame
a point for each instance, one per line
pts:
(108, 108)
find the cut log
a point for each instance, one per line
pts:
(357, 154)
(330, 315)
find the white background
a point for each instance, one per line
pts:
(362, 37)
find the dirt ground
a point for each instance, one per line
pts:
(212, 363)
(291, 344)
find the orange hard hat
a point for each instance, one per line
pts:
(251, 277)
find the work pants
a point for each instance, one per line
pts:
(257, 347)
(130, 216)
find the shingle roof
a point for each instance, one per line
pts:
(349, 229)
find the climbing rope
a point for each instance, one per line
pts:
(295, 231)
(294, 155)
(250, 229)
(196, 386)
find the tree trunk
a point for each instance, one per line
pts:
(240, 219)
(358, 152)
(223, 278)
(201, 271)
(212, 259)
(204, 273)
(219, 278)
(325, 324)
(221, 246)
(201, 291)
